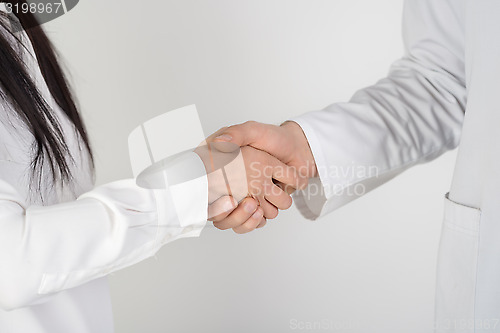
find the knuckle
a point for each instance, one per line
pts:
(266, 189)
(222, 129)
(249, 228)
(303, 182)
(250, 123)
(219, 226)
(239, 230)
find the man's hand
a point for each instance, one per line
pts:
(286, 142)
(263, 172)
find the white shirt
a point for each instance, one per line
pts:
(58, 245)
(442, 93)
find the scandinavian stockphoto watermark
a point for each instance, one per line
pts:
(43, 11)
(347, 179)
(296, 324)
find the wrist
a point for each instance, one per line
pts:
(303, 159)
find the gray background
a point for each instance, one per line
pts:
(368, 267)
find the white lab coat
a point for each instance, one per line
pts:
(443, 92)
(57, 245)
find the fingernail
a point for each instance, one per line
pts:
(250, 206)
(224, 137)
(258, 214)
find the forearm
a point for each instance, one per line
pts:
(47, 249)
(411, 116)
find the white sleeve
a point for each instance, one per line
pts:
(411, 116)
(46, 249)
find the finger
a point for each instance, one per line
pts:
(252, 223)
(262, 223)
(287, 175)
(269, 138)
(221, 208)
(278, 197)
(270, 211)
(239, 216)
(284, 187)
(242, 134)
(225, 147)
(221, 145)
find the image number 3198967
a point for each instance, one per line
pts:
(44, 11)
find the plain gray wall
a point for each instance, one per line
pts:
(368, 267)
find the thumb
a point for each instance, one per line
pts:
(221, 208)
(244, 134)
(269, 138)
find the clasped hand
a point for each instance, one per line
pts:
(252, 169)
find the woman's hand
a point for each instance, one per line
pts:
(242, 218)
(250, 176)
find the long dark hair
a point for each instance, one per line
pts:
(29, 105)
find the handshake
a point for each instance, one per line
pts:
(252, 169)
